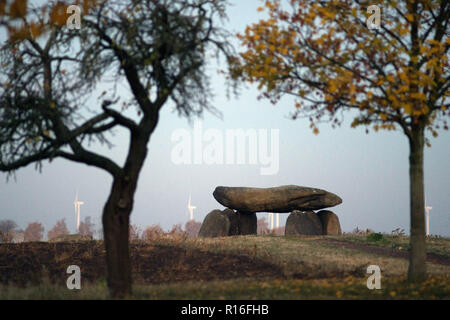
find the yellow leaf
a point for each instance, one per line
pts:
(88, 4)
(58, 14)
(36, 30)
(332, 87)
(418, 96)
(408, 108)
(18, 9)
(2, 7)
(18, 34)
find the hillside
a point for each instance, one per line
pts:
(241, 267)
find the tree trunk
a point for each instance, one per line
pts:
(116, 221)
(116, 218)
(417, 254)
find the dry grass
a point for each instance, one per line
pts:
(435, 245)
(172, 266)
(306, 257)
(436, 287)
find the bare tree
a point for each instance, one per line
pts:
(34, 232)
(7, 228)
(18, 235)
(58, 230)
(87, 228)
(158, 47)
(262, 226)
(135, 232)
(192, 228)
(152, 233)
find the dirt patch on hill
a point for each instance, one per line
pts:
(29, 262)
(431, 257)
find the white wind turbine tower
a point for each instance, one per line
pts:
(77, 205)
(271, 220)
(191, 209)
(427, 210)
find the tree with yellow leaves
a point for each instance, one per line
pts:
(394, 76)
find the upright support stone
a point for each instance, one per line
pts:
(330, 223)
(247, 223)
(303, 223)
(215, 224)
(233, 217)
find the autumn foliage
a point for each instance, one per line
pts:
(324, 55)
(25, 21)
(330, 58)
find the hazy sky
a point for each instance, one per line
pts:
(369, 172)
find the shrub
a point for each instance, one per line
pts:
(374, 237)
(152, 233)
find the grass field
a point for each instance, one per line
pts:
(242, 267)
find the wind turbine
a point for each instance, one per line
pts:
(427, 210)
(77, 205)
(270, 222)
(277, 215)
(191, 209)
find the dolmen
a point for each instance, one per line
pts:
(301, 202)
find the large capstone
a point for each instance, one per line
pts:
(282, 199)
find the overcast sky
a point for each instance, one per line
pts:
(369, 172)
